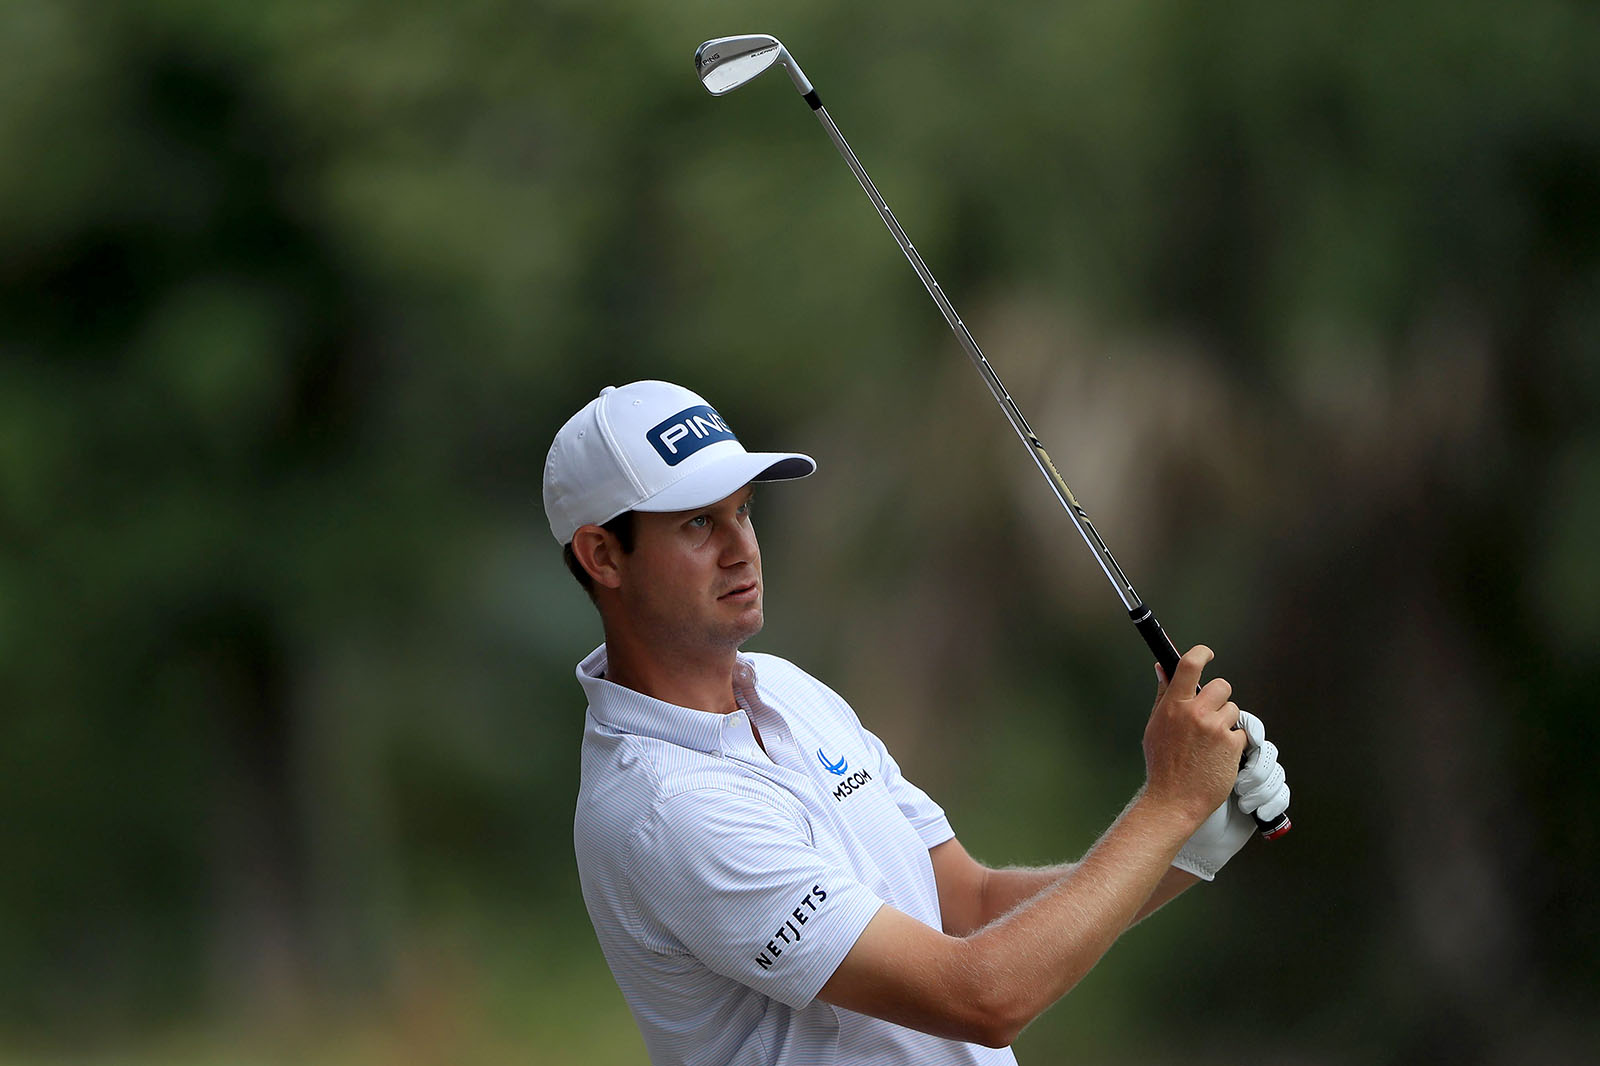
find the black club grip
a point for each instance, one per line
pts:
(1161, 646)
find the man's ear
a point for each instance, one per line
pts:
(600, 553)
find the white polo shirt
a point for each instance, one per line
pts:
(726, 884)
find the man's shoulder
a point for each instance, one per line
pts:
(637, 771)
(790, 685)
(776, 671)
(767, 663)
(628, 780)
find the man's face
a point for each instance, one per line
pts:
(693, 579)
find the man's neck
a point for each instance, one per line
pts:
(702, 682)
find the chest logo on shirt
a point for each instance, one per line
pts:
(833, 767)
(839, 769)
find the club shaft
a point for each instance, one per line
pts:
(1144, 620)
(1080, 518)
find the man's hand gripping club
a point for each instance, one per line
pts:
(1260, 785)
(1191, 749)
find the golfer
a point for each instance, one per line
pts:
(766, 885)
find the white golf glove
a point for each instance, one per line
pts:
(1261, 788)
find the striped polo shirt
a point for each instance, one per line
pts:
(727, 883)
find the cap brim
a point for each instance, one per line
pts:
(719, 480)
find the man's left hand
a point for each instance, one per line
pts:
(1261, 787)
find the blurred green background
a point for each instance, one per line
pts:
(1304, 299)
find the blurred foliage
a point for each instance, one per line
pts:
(1304, 300)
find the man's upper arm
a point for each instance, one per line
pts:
(905, 972)
(961, 880)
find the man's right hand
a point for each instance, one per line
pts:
(1191, 750)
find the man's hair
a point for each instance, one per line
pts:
(620, 527)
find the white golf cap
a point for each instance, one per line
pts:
(649, 446)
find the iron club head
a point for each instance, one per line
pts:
(726, 63)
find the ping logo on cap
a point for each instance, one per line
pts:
(687, 432)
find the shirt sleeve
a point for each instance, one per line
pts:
(926, 816)
(739, 884)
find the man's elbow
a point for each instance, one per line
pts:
(998, 1006)
(999, 1035)
(992, 1027)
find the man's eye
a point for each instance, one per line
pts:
(700, 521)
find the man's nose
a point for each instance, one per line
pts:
(739, 544)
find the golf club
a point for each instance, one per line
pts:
(726, 63)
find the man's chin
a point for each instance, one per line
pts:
(746, 626)
(753, 628)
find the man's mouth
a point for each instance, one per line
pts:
(740, 592)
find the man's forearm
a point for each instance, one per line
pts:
(1173, 884)
(1037, 951)
(1006, 889)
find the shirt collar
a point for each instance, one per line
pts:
(628, 711)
